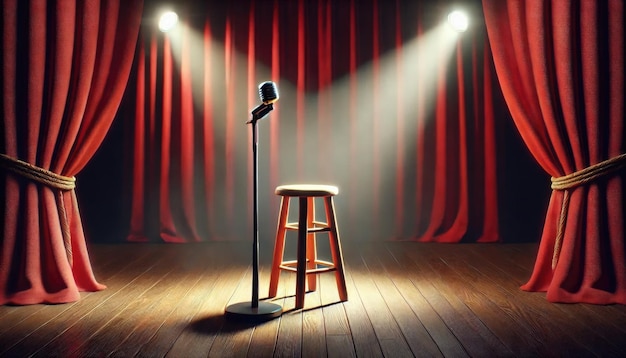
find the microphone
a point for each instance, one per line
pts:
(269, 94)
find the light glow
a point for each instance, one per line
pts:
(458, 20)
(168, 21)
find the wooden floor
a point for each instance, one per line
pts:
(405, 299)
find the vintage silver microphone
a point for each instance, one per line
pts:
(269, 94)
(254, 309)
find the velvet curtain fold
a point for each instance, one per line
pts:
(65, 65)
(561, 68)
(377, 97)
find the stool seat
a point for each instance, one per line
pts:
(301, 190)
(307, 265)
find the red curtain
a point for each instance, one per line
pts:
(561, 68)
(376, 97)
(65, 65)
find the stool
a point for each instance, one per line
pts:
(307, 264)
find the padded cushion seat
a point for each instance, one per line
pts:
(300, 190)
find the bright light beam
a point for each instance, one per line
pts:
(413, 77)
(420, 62)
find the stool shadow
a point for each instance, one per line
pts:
(321, 306)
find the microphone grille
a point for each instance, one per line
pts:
(268, 92)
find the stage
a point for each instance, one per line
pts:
(405, 299)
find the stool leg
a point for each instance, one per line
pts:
(301, 254)
(279, 245)
(335, 248)
(311, 247)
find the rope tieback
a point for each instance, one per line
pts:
(37, 174)
(50, 179)
(574, 180)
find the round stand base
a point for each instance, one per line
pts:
(244, 310)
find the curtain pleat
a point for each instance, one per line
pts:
(208, 130)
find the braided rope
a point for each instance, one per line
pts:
(578, 178)
(37, 174)
(49, 179)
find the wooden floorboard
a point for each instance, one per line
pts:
(263, 341)
(388, 333)
(361, 328)
(457, 329)
(405, 299)
(549, 319)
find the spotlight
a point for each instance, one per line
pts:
(168, 21)
(458, 20)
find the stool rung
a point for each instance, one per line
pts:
(310, 271)
(317, 227)
(321, 270)
(291, 266)
(325, 263)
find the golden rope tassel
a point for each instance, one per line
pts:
(573, 180)
(52, 180)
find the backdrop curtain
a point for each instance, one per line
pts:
(65, 65)
(561, 68)
(378, 97)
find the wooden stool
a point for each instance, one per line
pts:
(307, 264)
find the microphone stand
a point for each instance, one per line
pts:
(254, 309)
